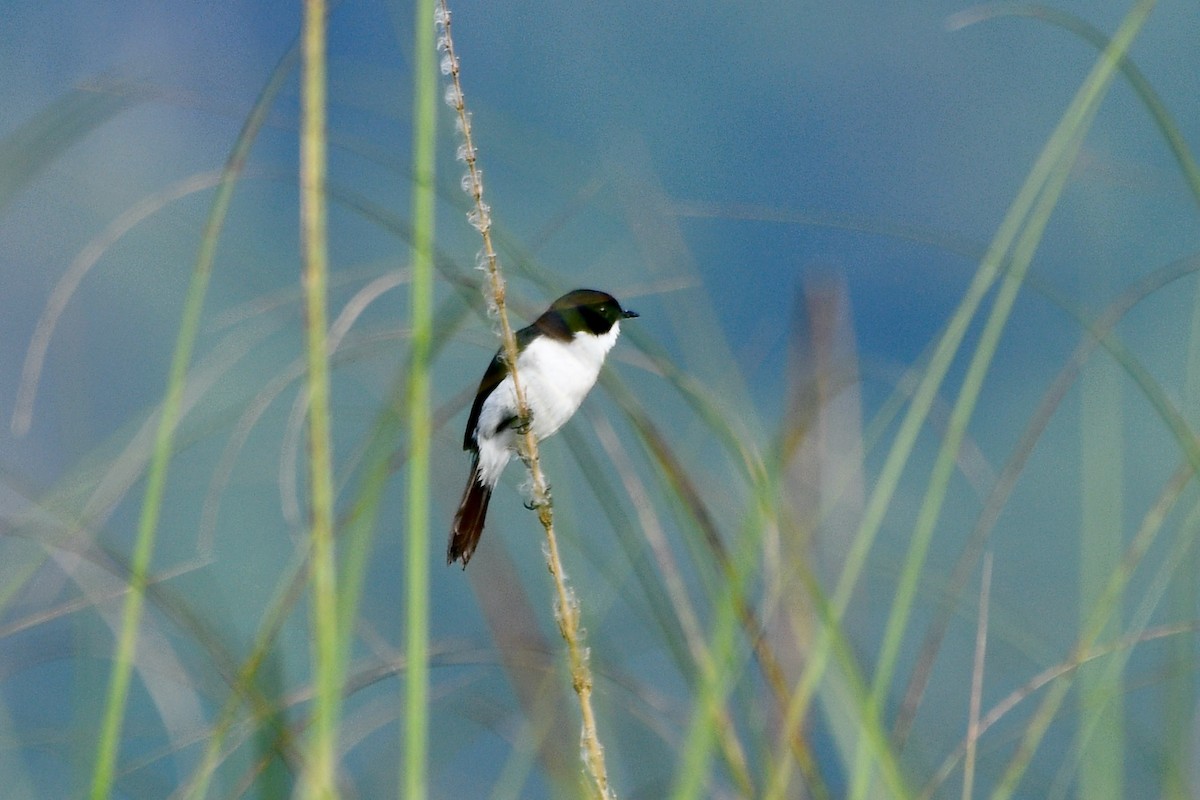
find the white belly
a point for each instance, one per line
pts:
(555, 377)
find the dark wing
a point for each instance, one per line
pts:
(496, 372)
(491, 379)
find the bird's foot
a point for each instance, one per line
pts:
(523, 423)
(536, 502)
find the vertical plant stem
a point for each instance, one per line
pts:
(108, 741)
(1097, 81)
(420, 423)
(981, 633)
(233, 169)
(566, 610)
(1100, 538)
(320, 773)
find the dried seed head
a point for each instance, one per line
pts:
(472, 183)
(480, 217)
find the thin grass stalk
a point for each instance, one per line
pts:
(1100, 696)
(1098, 39)
(981, 633)
(1075, 123)
(1077, 120)
(1175, 563)
(416, 685)
(1092, 629)
(876, 508)
(1013, 469)
(108, 740)
(320, 774)
(719, 670)
(566, 604)
(1040, 681)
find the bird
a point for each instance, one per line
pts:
(558, 360)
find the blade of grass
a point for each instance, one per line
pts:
(1100, 538)
(320, 775)
(108, 740)
(997, 499)
(36, 143)
(416, 692)
(1040, 681)
(1099, 40)
(977, 679)
(1064, 144)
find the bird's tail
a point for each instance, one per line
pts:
(468, 520)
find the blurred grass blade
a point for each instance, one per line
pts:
(1098, 39)
(416, 723)
(320, 773)
(1083, 108)
(35, 144)
(65, 288)
(1006, 482)
(108, 740)
(1058, 158)
(981, 638)
(1100, 536)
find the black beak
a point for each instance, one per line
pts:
(627, 314)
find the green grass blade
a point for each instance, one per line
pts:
(320, 777)
(416, 722)
(1098, 39)
(1064, 144)
(1100, 537)
(108, 740)
(36, 143)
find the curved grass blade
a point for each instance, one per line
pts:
(109, 738)
(1098, 39)
(36, 143)
(1057, 159)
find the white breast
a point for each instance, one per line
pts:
(555, 377)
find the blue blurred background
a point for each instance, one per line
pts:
(875, 144)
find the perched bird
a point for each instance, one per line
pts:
(558, 360)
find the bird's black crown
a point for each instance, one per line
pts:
(583, 310)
